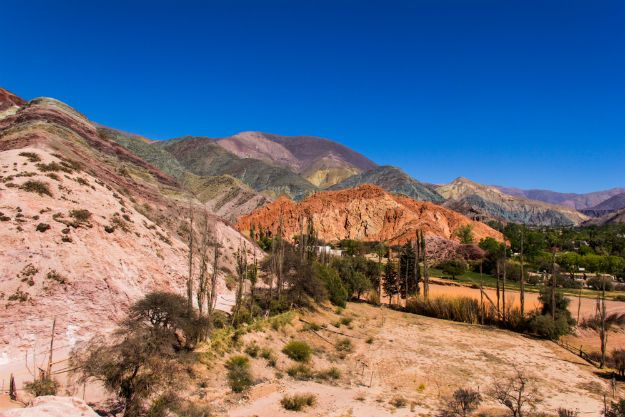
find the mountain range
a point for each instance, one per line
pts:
(95, 217)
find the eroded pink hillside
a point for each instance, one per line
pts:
(86, 228)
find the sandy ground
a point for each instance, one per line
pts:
(421, 360)
(396, 356)
(587, 308)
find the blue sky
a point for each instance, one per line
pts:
(523, 93)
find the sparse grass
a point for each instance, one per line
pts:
(34, 186)
(331, 373)
(346, 320)
(298, 402)
(55, 276)
(312, 326)
(239, 375)
(81, 216)
(269, 356)
(252, 350)
(54, 167)
(19, 295)
(82, 181)
(298, 350)
(398, 402)
(344, 345)
(31, 156)
(301, 372)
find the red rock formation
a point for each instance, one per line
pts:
(365, 213)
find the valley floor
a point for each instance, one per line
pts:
(418, 359)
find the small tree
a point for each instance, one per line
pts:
(465, 234)
(454, 267)
(143, 358)
(617, 409)
(618, 361)
(516, 393)
(391, 286)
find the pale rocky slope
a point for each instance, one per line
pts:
(86, 229)
(365, 213)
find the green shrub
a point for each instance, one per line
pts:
(346, 320)
(34, 186)
(301, 371)
(297, 402)
(268, 355)
(337, 294)
(239, 375)
(619, 297)
(42, 387)
(545, 326)
(298, 350)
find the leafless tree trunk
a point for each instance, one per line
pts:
(503, 286)
(522, 280)
(190, 276)
(553, 285)
(241, 259)
(212, 295)
(603, 331)
(202, 288)
(498, 286)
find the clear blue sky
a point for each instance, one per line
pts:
(527, 93)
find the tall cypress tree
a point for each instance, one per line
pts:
(390, 280)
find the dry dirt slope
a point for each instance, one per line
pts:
(86, 229)
(418, 359)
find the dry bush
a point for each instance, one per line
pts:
(297, 402)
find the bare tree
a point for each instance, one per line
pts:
(190, 276)
(603, 328)
(522, 280)
(212, 295)
(517, 393)
(241, 260)
(202, 287)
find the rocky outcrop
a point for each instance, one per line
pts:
(489, 203)
(365, 213)
(52, 406)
